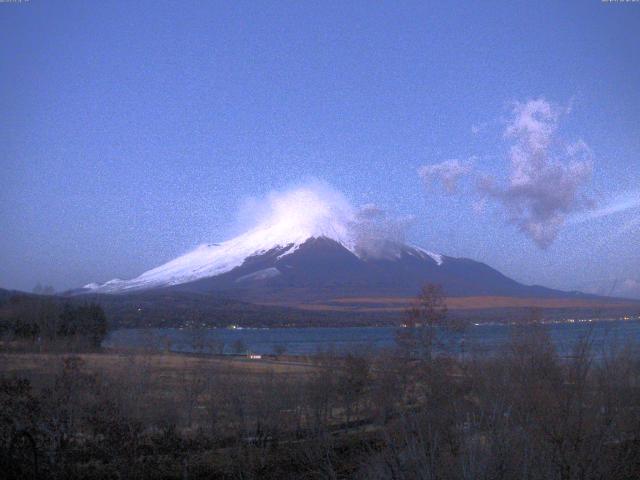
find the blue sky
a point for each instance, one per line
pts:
(133, 131)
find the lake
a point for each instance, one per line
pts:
(305, 341)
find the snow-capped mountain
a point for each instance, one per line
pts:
(294, 219)
(213, 260)
(310, 247)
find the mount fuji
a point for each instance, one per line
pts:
(313, 245)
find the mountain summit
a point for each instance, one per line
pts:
(312, 245)
(363, 234)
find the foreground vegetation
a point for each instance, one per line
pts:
(69, 410)
(523, 413)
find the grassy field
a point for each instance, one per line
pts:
(399, 304)
(165, 369)
(187, 389)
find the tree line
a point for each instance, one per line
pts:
(35, 318)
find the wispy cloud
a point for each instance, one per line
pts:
(448, 172)
(377, 233)
(546, 177)
(621, 203)
(545, 174)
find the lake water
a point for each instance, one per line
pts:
(305, 341)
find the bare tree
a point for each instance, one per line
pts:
(353, 380)
(423, 319)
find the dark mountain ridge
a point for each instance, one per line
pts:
(322, 268)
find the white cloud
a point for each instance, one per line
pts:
(315, 208)
(620, 203)
(545, 177)
(378, 234)
(448, 172)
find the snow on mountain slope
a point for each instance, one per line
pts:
(293, 218)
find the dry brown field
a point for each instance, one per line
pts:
(398, 304)
(160, 373)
